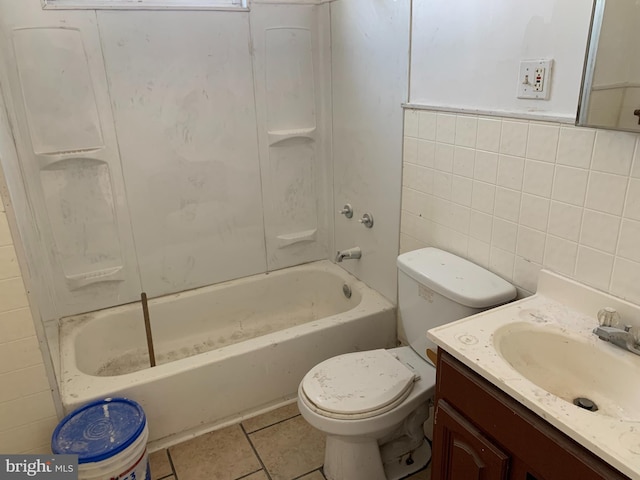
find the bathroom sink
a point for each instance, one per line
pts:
(569, 366)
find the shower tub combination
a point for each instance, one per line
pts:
(224, 352)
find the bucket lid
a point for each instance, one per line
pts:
(99, 430)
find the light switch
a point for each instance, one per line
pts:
(534, 79)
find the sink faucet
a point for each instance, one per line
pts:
(621, 338)
(351, 253)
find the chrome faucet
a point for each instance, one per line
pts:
(621, 338)
(351, 253)
(609, 331)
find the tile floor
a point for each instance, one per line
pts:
(279, 445)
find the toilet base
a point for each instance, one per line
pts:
(348, 459)
(420, 457)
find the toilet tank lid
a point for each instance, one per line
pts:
(456, 278)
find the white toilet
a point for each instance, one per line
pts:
(372, 405)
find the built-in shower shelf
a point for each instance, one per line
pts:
(77, 281)
(297, 237)
(280, 136)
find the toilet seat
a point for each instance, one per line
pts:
(357, 385)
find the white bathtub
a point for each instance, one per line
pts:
(224, 352)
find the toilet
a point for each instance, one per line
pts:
(372, 405)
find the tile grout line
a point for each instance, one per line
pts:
(309, 473)
(264, 468)
(173, 468)
(166, 476)
(269, 426)
(251, 473)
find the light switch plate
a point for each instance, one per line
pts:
(534, 79)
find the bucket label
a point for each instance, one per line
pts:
(45, 467)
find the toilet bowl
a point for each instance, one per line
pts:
(372, 405)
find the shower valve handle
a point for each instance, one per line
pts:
(347, 211)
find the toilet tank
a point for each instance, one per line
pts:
(436, 287)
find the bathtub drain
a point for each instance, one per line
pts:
(346, 289)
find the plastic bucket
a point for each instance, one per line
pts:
(110, 438)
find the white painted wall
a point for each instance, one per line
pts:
(466, 54)
(369, 79)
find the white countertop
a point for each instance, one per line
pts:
(565, 306)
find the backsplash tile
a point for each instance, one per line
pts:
(463, 161)
(427, 125)
(629, 246)
(595, 225)
(538, 178)
(613, 152)
(594, 267)
(513, 140)
(488, 137)
(486, 166)
(560, 255)
(445, 128)
(565, 221)
(507, 204)
(570, 184)
(426, 153)
(632, 205)
(525, 195)
(606, 192)
(510, 171)
(466, 131)
(542, 143)
(534, 211)
(575, 146)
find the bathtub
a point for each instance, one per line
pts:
(224, 352)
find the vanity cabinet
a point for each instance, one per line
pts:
(481, 433)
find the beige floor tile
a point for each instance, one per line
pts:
(421, 475)
(289, 449)
(221, 455)
(159, 464)
(257, 476)
(313, 476)
(269, 418)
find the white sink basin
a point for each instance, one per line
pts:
(541, 351)
(571, 366)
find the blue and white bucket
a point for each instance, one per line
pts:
(110, 438)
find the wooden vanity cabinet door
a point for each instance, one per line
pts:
(461, 452)
(536, 450)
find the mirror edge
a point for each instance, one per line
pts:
(597, 14)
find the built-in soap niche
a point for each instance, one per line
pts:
(79, 200)
(59, 100)
(291, 133)
(68, 171)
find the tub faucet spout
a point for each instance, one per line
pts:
(351, 253)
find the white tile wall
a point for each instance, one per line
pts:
(525, 195)
(27, 412)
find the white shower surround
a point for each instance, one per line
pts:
(283, 324)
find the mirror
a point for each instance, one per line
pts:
(611, 86)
